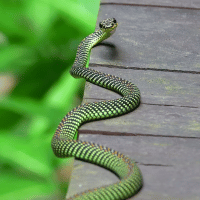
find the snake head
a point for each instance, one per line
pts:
(108, 25)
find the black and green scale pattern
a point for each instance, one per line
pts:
(63, 143)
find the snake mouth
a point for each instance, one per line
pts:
(111, 32)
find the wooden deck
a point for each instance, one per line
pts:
(156, 46)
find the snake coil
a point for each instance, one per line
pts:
(63, 143)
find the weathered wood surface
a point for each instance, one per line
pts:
(158, 50)
(151, 37)
(156, 87)
(167, 172)
(169, 105)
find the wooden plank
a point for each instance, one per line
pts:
(156, 87)
(168, 3)
(170, 166)
(151, 120)
(154, 38)
(169, 105)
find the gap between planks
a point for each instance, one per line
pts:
(148, 5)
(142, 68)
(132, 134)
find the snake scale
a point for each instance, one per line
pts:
(63, 142)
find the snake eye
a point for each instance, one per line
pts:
(114, 20)
(100, 25)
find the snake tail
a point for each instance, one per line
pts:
(63, 142)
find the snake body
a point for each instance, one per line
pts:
(63, 143)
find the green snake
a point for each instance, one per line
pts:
(63, 142)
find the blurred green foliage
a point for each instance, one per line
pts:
(38, 42)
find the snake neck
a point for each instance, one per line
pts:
(84, 49)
